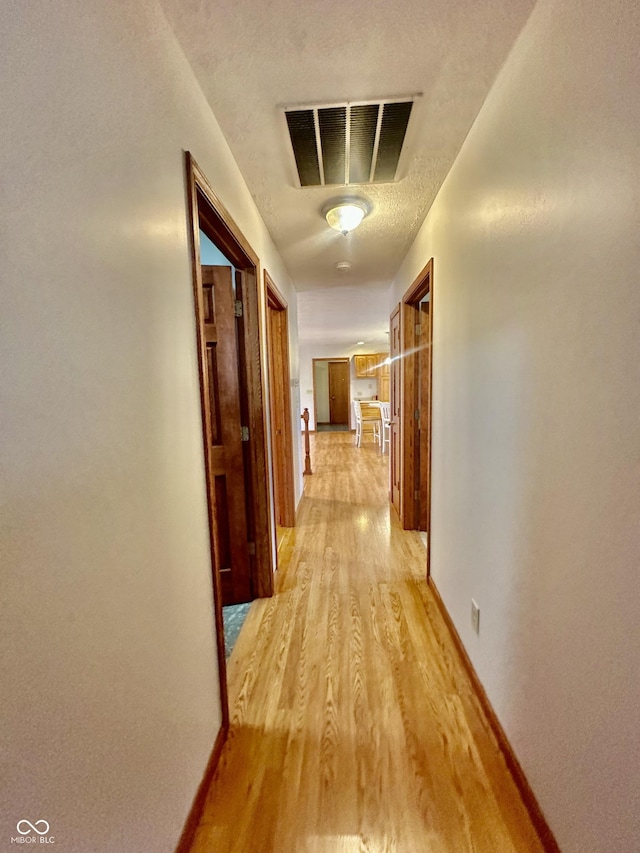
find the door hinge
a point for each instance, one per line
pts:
(251, 546)
(418, 329)
(237, 308)
(416, 414)
(416, 495)
(244, 431)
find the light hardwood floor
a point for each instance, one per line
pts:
(353, 724)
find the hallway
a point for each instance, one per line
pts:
(353, 725)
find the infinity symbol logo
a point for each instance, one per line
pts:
(33, 826)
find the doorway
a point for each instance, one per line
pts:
(395, 351)
(331, 393)
(423, 406)
(413, 403)
(233, 418)
(280, 404)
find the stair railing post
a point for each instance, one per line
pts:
(307, 453)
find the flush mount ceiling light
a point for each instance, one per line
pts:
(345, 215)
(343, 266)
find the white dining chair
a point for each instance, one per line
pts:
(362, 422)
(377, 426)
(385, 425)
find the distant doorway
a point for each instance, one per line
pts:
(280, 404)
(331, 393)
(414, 404)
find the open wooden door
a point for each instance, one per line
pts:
(396, 408)
(225, 431)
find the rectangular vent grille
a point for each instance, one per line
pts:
(348, 143)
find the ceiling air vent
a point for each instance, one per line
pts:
(354, 143)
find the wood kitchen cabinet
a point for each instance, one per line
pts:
(384, 378)
(374, 366)
(367, 366)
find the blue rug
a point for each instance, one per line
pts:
(233, 616)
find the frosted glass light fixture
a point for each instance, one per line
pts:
(346, 215)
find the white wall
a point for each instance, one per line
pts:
(109, 699)
(210, 254)
(321, 387)
(536, 490)
(364, 389)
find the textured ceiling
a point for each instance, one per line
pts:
(345, 316)
(252, 57)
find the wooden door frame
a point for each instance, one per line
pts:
(207, 212)
(275, 301)
(422, 285)
(313, 380)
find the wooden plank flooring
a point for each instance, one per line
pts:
(353, 724)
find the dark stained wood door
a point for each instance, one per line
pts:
(396, 407)
(280, 406)
(339, 392)
(226, 466)
(416, 346)
(424, 408)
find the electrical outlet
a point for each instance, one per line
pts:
(475, 616)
